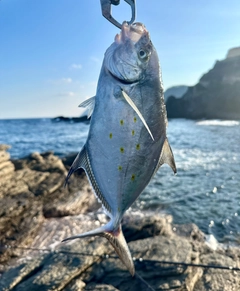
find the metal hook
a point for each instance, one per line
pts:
(106, 11)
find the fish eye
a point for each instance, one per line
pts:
(142, 54)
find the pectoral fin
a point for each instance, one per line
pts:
(134, 107)
(89, 103)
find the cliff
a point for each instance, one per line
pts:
(215, 96)
(176, 91)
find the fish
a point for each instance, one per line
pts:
(127, 141)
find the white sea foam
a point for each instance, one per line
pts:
(211, 242)
(219, 122)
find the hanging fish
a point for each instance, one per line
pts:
(127, 140)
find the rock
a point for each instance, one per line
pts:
(6, 169)
(216, 280)
(66, 261)
(190, 231)
(81, 202)
(68, 160)
(75, 285)
(45, 162)
(4, 156)
(35, 190)
(100, 287)
(79, 265)
(4, 147)
(37, 213)
(84, 119)
(142, 225)
(6, 166)
(215, 96)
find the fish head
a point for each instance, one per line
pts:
(128, 57)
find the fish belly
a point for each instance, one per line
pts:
(122, 154)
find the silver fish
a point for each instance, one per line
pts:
(127, 140)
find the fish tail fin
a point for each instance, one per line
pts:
(116, 239)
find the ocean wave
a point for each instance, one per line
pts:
(217, 122)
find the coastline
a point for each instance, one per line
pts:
(37, 212)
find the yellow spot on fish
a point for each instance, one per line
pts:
(110, 135)
(138, 146)
(135, 119)
(119, 168)
(122, 150)
(133, 177)
(121, 122)
(133, 132)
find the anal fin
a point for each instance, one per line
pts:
(82, 161)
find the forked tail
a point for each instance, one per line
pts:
(117, 240)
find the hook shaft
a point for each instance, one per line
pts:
(106, 11)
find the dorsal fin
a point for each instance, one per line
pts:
(90, 103)
(82, 161)
(134, 107)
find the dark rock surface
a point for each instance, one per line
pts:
(37, 213)
(215, 96)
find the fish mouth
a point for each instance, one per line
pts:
(133, 31)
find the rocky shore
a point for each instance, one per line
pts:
(37, 212)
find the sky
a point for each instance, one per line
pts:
(51, 51)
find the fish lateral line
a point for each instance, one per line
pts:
(134, 107)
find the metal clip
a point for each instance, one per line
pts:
(106, 11)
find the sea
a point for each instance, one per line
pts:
(205, 190)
